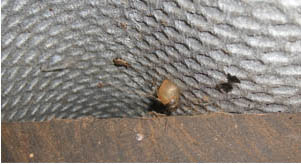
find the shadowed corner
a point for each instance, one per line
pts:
(158, 107)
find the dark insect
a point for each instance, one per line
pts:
(121, 63)
(224, 87)
(227, 87)
(232, 79)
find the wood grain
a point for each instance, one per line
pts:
(205, 138)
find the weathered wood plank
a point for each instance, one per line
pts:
(204, 138)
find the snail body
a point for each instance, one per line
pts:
(169, 94)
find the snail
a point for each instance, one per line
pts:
(169, 94)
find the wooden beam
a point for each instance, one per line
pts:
(204, 138)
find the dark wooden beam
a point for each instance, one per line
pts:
(204, 138)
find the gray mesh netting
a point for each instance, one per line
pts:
(193, 43)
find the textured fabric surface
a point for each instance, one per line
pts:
(193, 43)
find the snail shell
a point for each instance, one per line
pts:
(169, 94)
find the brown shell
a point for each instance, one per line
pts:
(168, 93)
